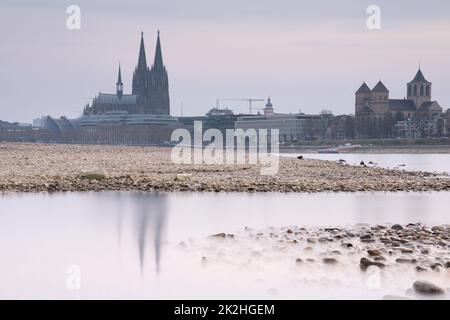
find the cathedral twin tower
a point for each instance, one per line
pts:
(152, 84)
(150, 89)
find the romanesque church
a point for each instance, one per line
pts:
(377, 116)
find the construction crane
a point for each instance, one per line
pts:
(249, 100)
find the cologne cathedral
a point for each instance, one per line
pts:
(150, 89)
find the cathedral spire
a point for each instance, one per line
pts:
(142, 61)
(119, 77)
(158, 63)
(119, 84)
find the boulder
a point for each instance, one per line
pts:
(426, 287)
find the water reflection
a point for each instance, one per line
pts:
(148, 216)
(150, 213)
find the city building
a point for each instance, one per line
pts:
(120, 127)
(447, 123)
(150, 89)
(297, 127)
(415, 116)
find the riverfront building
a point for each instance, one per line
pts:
(415, 116)
(150, 89)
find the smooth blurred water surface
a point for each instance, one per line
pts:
(124, 242)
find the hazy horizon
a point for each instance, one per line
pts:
(306, 56)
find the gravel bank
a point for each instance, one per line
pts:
(44, 167)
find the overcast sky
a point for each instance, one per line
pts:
(308, 55)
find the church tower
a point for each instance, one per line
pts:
(140, 72)
(419, 89)
(362, 98)
(119, 84)
(158, 84)
(380, 99)
(268, 110)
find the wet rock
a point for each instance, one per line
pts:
(421, 268)
(379, 258)
(426, 287)
(218, 235)
(436, 266)
(347, 245)
(329, 260)
(374, 252)
(405, 260)
(298, 260)
(447, 264)
(289, 231)
(97, 174)
(365, 263)
(425, 251)
(397, 227)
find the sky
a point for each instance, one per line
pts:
(307, 55)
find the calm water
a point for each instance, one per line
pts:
(125, 244)
(439, 163)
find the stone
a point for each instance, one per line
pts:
(329, 260)
(219, 235)
(97, 174)
(421, 269)
(426, 287)
(379, 258)
(374, 252)
(397, 227)
(436, 266)
(298, 260)
(347, 245)
(365, 263)
(405, 260)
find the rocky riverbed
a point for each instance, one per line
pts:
(47, 167)
(409, 261)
